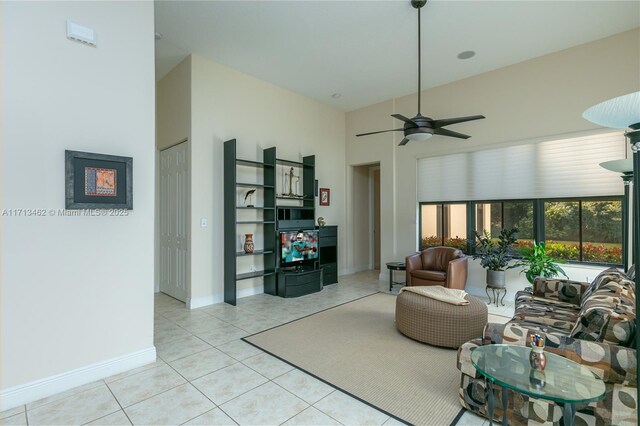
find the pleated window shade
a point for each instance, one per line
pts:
(552, 169)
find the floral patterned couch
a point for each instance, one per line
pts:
(593, 324)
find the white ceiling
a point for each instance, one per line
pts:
(366, 50)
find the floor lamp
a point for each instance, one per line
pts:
(625, 167)
(623, 112)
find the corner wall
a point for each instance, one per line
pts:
(77, 292)
(227, 104)
(534, 100)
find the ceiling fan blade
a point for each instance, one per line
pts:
(451, 133)
(403, 142)
(381, 131)
(403, 118)
(449, 121)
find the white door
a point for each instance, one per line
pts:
(174, 229)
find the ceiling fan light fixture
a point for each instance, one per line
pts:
(419, 136)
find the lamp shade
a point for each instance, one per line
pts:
(620, 166)
(616, 113)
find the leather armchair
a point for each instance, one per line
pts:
(445, 266)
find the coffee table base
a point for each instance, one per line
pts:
(569, 410)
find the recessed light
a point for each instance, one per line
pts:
(336, 95)
(158, 36)
(466, 54)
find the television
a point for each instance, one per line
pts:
(298, 248)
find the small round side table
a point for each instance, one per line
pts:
(395, 266)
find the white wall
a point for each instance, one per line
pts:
(227, 104)
(530, 100)
(77, 292)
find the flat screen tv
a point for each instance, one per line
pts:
(298, 248)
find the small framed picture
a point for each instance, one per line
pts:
(325, 196)
(98, 181)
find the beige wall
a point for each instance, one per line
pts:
(227, 104)
(76, 291)
(361, 226)
(173, 106)
(530, 100)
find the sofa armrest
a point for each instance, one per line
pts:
(563, 290)
(613, 364)
(457, 273)
(412, 263)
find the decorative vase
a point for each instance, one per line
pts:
(495, 278)
(537, 358)
(248, 243)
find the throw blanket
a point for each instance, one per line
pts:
(437, 292)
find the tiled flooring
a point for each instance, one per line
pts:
(206, 375)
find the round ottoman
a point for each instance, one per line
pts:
(438, 323)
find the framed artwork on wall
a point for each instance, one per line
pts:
(98, 181)
(325, 197)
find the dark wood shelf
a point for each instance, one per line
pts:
(253, 185)
(255, 208)
(289, 163)
(255, 253)
(254, 274)
(280, 197)
(257, 222)
(249, 163)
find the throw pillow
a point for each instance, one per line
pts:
(602, 278)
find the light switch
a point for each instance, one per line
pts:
(203, 222)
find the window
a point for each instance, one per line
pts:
(443, 225)
(579, 230)
(495, 216)
(586, 231)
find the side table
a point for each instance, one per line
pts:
(395, 266)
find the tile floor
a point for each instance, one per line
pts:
(206, 375)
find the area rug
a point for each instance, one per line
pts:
(356, 348)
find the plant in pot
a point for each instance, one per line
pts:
(537, 263)
(495, 256)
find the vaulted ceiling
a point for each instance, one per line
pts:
(365, 51)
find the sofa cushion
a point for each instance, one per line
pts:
(430, 275)
(608, 313)
(602, 278)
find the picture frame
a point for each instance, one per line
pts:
(325, 197)
(98, 181)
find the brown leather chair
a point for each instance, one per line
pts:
(445, 266)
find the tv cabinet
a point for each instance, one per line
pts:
(299, 283)
(328, 246)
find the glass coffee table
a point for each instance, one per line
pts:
(563, 381)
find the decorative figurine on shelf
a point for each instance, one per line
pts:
(248, 243)
(248, 195)
(537, 357)
(321, 221)
(291, 175)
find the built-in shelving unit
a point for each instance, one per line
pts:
(265, 224)
(267, 219)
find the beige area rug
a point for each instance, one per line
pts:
(356, 348)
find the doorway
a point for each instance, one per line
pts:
(174, 221)
(366, 219)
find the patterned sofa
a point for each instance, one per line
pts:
(593, 324)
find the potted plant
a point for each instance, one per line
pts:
(495, 256)
(537, 263)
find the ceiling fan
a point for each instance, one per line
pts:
(421, 128)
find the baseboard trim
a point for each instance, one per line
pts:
(200, 302)
(349, 271)
(33, 391)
